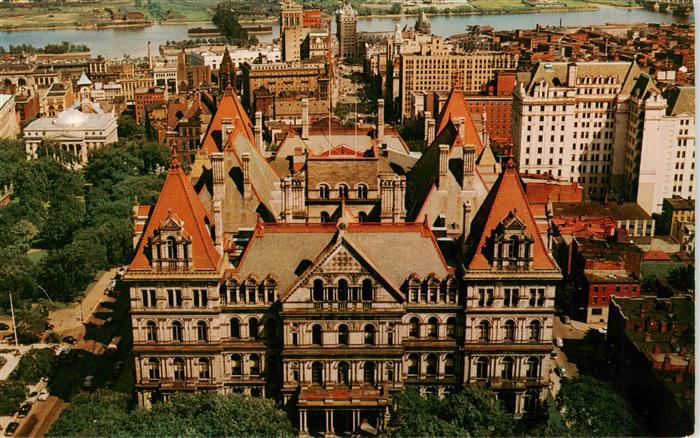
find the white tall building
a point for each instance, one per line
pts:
(593, 123)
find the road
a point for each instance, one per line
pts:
(565, 331)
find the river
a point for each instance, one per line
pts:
(133, 41)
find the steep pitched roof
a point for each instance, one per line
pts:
(681, 100)
(229, 107)
(505, 199)
(179, 199)
(456, 107)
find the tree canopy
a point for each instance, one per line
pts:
(185, 414)
(591, 407)
(471, 412)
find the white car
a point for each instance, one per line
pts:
(559, 342)
(43, 395)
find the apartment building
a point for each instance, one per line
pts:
(437, 65)
(346, 22)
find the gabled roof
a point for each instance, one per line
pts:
(339, 151)
(178, 199)
(681, 100)
(506, 199)
(84, 80)
(229, 107)
(454, 108)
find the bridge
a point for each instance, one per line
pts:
(677, 7)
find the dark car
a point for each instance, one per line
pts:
(70, 340)
(24, 410)
(11, 428)
(4, 326)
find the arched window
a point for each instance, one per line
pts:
(177, 331)
(534, 330)
(533, 368)
(451, 327)
(316, 335)
(433, 327)
(362, 191)
(369, 334)
(450, 364)
(153, 368)
(369, 372)
(482, 368)
(254, 364)
(484, 329)
(235, 328)
(253, 331)
(343, 336)
(204, 368)
(251, 286)
(344, 373)
(151, 331)
(171, 245)
(343, 191)
(317, 373)
(431, 367)
(202, 331)
(531, 400)
(414, 327)
(179, 369)
(367, 290)
(413, 364)
(507, 367)
(270, 286)
(236, 365)
(324, 191)
(325, 217)
(342, 289)
(433, 287)
(318, 290)
(509, 331)
(513, 247)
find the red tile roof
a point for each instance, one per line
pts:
(178, 198)
(657, 256)
(229, 107)
(456, 107)
(506, 196)
(538, 192)
(340, 151)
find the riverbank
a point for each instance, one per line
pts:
(76, 27)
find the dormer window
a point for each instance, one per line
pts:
(511, 246)
(171, 245)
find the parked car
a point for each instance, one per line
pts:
(559, 342)
(8, 339)
(553, 354)
(4, 326)
(109, 320)
(603, 330)
(63, 352)
(43, 395)
(11, 428)
(70, 340)
(32, 396)
(561, 371)
(24, 410)
(89, 380)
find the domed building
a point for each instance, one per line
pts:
(77, 132)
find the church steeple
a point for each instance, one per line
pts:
(227, 72)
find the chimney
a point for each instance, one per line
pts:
(399, 192)
(442, 170)
(459, 124)
(426, 118)
(571, 74)
(226, 128)
(466, 222)
(468, 167)
(386, 195)
(247, 189)
(287, 199)
(258, 133)
(305, 119)
(150, 59)
(217, 165)
(431, 132)
(380, 120)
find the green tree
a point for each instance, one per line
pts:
(92, 414)
(12, 393)
(471, 412)
(593, 408)
(34, 365)
(682, 278)
(32, 321)
(128, 128)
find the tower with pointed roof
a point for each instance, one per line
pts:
(510, 283)
(227, 72)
